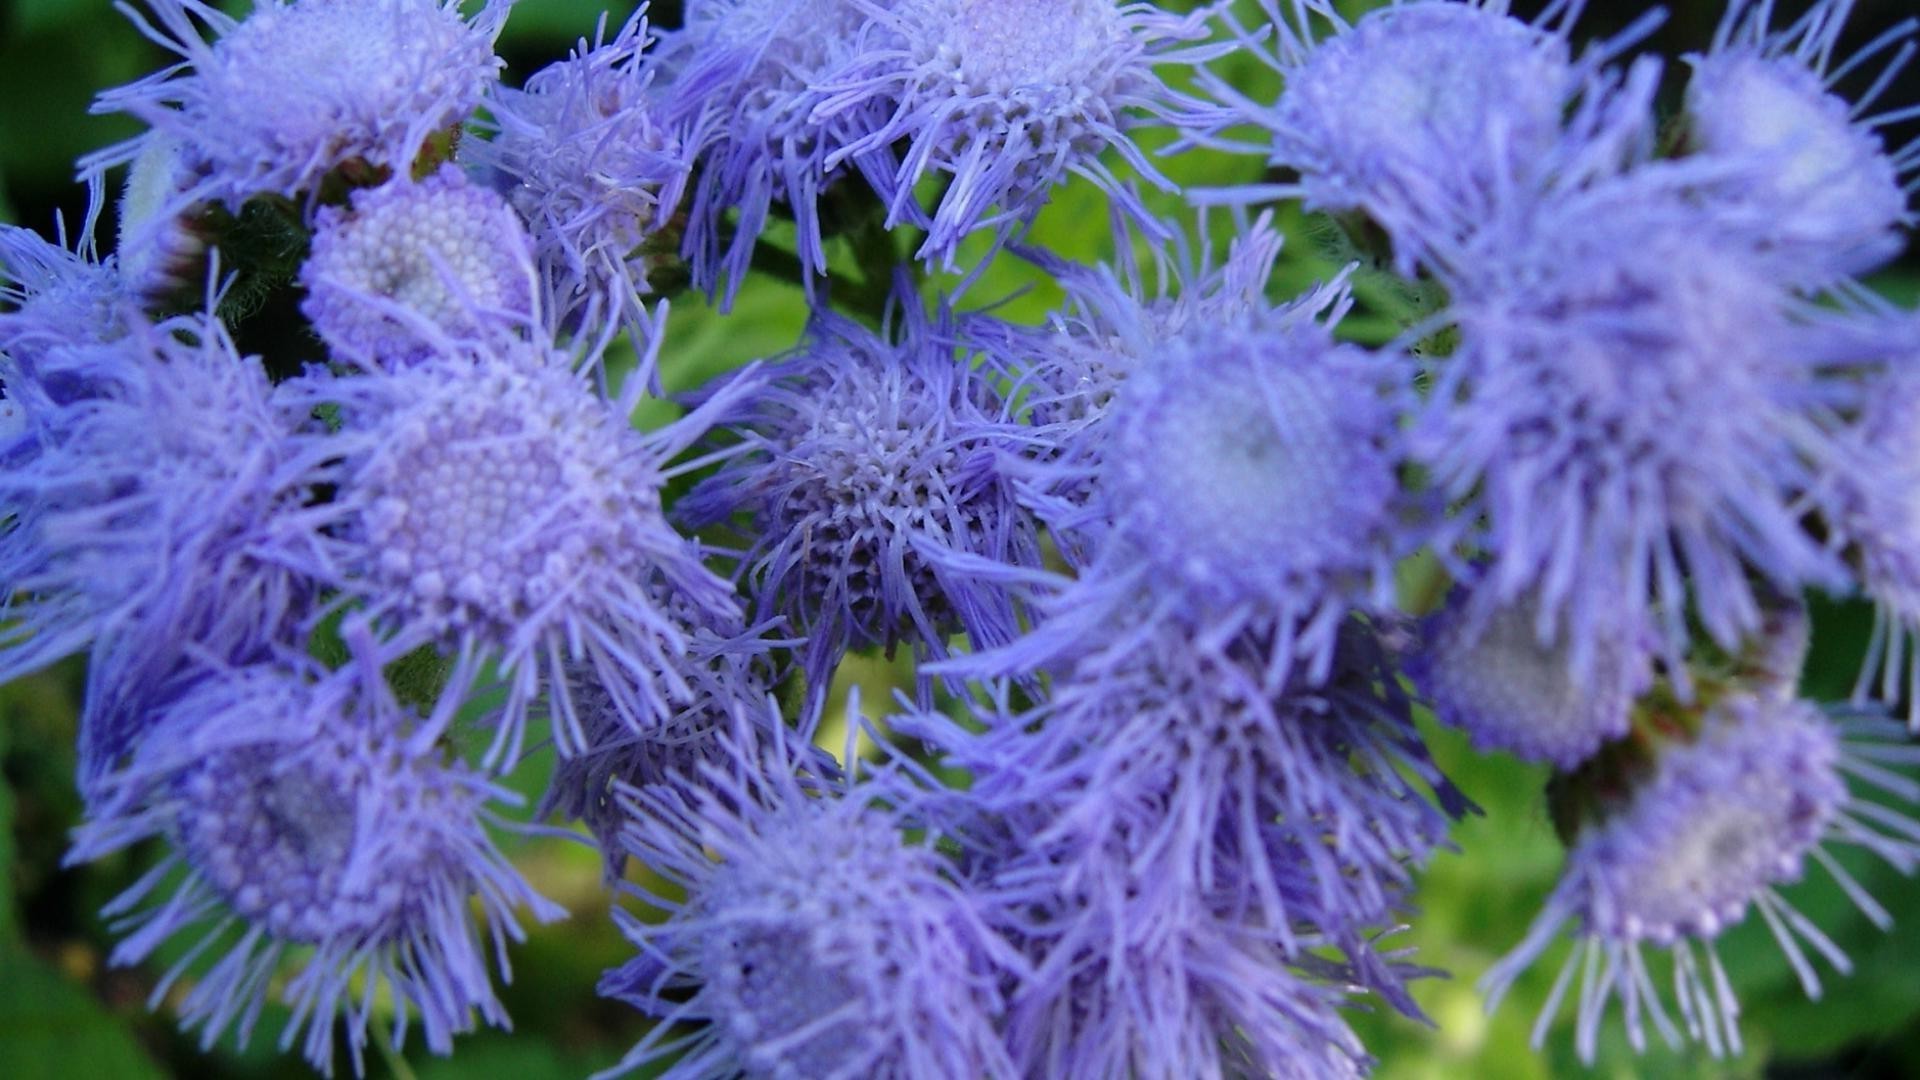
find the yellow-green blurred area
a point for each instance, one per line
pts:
(66, 1012)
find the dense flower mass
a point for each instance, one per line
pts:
(297, 89)
(159, 496)
(1589, 326)
(1493, 375)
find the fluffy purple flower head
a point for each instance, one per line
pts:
(168, 504)
(803, 933)
(1709, 829)
(1256, 461)
(1301, 812)
(1505, 677)
(1637, 409)
(296, 89)
(1827, 187)
(441, 252)
(1117, 320)
(1005, 99)
(871, 474)
(1414, 109)
(1882, 479)
(743, 82)
(593, 165)
(1249, 470)
(301, 809)
(498, 505)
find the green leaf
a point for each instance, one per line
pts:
(9, 930)
(51, 1029)
(36, 16)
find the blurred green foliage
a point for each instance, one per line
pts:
(64, 1011)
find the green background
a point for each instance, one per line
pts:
(64, 1012)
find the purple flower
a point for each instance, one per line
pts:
(1826, 186)
(167, 507)
(1004, 99)
(802, 932)
(1505, 676)
(743, 80)
(592, 164)
(1875, 508)
(1299, 812)
(729, 674)
(495, 504)
(1731, 808)
(1116, 321)
(1249, 470)
(1637, 410)
(443, 252)
(283, 97)
(1255, 460)
(870, 471)
(307, 819)
(1418, 111)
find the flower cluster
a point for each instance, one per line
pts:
(1181, 569)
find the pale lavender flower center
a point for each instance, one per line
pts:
(501, 496)
(276, 841)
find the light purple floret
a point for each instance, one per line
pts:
(441, 252)
(587, 156)
(1004, 100)
(304, 813)
(802, 932)
(497, 505)
(1826, 186)
(1254, 459)
(1710, 829)
(281, 98)
(1505, 676)
(871, 474)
